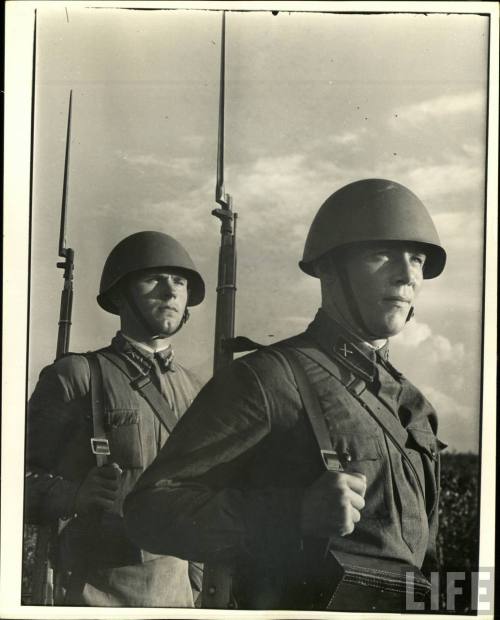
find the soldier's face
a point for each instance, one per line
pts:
(385, 281)
(160, 295)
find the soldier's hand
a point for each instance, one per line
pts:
(99, 490)
(331, 505)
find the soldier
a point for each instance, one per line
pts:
(126, 397)
(307, 473)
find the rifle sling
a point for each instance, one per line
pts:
(97, 405)
(379, 412)
(142, 384)
(312, 407)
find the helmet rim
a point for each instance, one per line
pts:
(372, 210)
(147, 250)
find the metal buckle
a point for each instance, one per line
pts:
(100, 446)
(332, 460)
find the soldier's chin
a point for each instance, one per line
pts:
(386, 327)
(167, 328)
(393, 326)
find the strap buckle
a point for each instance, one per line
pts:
(100, 446)
(332, 460)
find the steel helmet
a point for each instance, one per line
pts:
(373, 210)
(146, 250)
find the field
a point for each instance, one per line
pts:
(458, 537)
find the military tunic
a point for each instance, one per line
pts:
(99, 564)
(229, 483)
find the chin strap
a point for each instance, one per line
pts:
(351, 301)
(185, 319)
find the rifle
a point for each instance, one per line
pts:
(216, 576)
(226, 281)
(44, 584)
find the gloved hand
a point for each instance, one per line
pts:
(99, 490)
(331, 505)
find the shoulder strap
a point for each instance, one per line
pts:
(357, 388)
(98, 442)
(142, 384)
(372, 405)
(312, 407)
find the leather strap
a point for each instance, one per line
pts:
(142, 384)
(99, 441)
(381, 414)
(312, 407)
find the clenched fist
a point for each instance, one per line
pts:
(99, 490)
(331, 505)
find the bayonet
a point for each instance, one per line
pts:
(66, 253)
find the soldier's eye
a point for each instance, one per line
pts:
(419, 258)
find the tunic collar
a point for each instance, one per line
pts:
(142, 356)
(359, 356)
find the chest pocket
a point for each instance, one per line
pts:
(361, 453)
(426, 448)
(122, 430)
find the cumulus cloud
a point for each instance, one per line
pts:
(281, 192)
(438, 179)
(458, 423)
(174, 165)
(442, 107)
(435, 348)
(348, 138)
(413, 335)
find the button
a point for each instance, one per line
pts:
(211, 590)
(347, 456)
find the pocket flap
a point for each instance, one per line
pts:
(120, 417)
(426, 441)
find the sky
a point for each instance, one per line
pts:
(313, 102)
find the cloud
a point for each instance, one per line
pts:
(449, 177)
(281, 193)
(413, 335)
(174, 165)
(458, 423)
(348, 138)
(434, 348)
(439, 368)
(444, 106)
